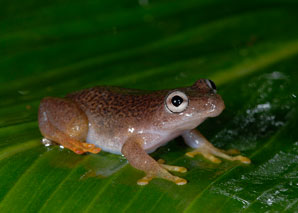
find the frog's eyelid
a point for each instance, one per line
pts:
(181, 107)
(211, 84)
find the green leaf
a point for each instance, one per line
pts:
(249, 49)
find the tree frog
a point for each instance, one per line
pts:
(134, 123)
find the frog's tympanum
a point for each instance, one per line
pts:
(134, 123)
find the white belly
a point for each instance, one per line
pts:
(151, 140)
(112, 145)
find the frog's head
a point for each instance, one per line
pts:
(190, 106)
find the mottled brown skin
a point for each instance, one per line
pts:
(113, 106)
(133, 123)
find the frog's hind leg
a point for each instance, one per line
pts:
(63, 122)
(202, 146)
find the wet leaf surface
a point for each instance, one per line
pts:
(249, 49)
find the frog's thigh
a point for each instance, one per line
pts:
(202, 146)
(138, 158)
(62, 121)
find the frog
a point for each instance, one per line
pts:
(134, 123)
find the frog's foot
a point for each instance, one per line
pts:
(179, 181)
(82, 147)
(139, 159)
(76, 146)
(210, 153)
(202, 146)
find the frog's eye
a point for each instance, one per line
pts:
(177, 101)
(211, 84)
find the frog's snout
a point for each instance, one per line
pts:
(220, 104)
(216, 105)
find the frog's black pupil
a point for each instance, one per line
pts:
(212, 84)
(177, 100)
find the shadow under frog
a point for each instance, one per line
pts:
(134, 123)
(99, 166)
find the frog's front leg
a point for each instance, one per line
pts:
(138, 158)
(202, 146)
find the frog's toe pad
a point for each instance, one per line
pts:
(190, 154)
(243, 159)
(211, 157)
(177, 180)
(78, 151)
(180, 181)
(213, 153)
(142, 182)
(145, 180)
(90, 148)
(85, 148)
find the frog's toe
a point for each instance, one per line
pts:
(231, 151)
(90, 148)
(164, 174)
(194, 153)
(95, 150)
(180, 181)
(81, 148)
(211, 157)
(145, 180)
(205, 153)
(190, 154)
(88, 145)
(171, 168)
(77, 151)
(222, 154)
(212, 154)
(243, 159)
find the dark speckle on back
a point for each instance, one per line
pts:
(110, 105)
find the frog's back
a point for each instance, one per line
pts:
(116, 103)
(114, 113)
